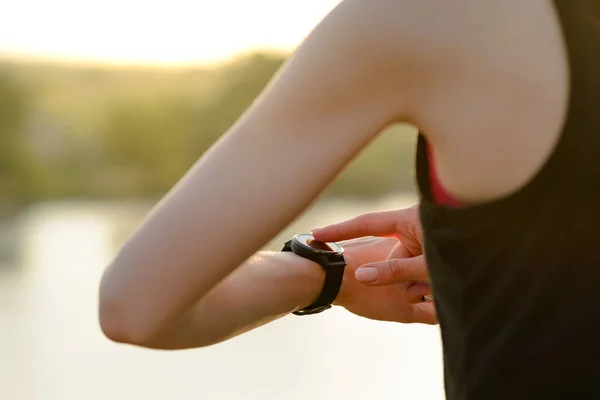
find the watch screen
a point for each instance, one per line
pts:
(309, 241)
(315, 244)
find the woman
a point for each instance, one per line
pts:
(505, 95)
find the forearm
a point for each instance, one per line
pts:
(303, 130)
(267, 286)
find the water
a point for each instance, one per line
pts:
(51, 347)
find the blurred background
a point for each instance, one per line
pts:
(103, 106)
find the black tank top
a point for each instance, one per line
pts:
(517, 280)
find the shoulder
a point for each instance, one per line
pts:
(499, 91)
(465, 73)
(389, 51)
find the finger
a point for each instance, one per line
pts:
(415, 293)
(423, 313)
(409, 242)
(399, 251)
(395, 270)
(381, 223)
(369, 241)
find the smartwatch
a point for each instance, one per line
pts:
(330, 256)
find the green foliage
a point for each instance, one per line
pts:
(133, 132)
(147, 146)
(15, 159)
(384, 167)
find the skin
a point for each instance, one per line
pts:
(368, 65)
(405, 261)
(271, 285)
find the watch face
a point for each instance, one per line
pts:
(321, 247)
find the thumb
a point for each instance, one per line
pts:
(394, 270)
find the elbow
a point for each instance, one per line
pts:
(119, 319)
(116, 325)
(120, 324)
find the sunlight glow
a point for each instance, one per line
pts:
(155, 31)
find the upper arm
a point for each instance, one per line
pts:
(349, 80)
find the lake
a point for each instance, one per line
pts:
(51, 346)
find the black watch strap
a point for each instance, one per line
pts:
(334, 266)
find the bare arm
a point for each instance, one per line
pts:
(272, 284)
(266, 287)
(333, 97)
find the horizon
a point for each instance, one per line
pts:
(178, 33)
(125, 64)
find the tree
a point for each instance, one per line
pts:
(14, 156)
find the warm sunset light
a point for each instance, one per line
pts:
(155, 31)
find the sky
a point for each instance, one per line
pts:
(167, 32)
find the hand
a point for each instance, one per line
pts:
(375, 287)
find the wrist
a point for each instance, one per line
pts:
(343, 295)
(304, 280)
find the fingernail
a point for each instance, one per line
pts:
(367, 274)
